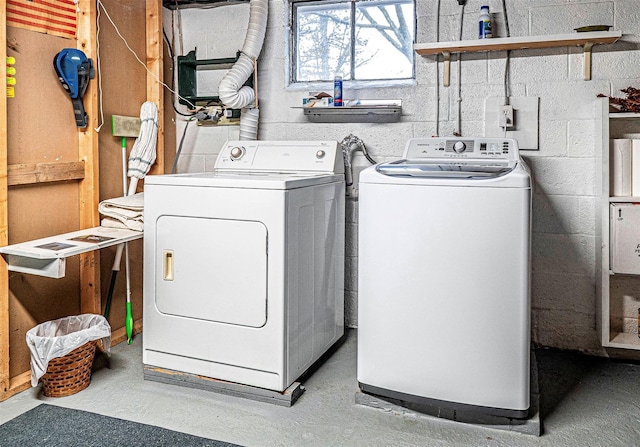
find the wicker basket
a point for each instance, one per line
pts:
(69, 374)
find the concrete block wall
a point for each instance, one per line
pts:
(564, 205)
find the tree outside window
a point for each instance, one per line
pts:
(356, 39)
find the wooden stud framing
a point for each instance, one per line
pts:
(89, 177)
(5, 389)
(154, 75)
(88, 152)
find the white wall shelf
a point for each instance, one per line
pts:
(585, 40)
(47, 256)
(353, 114)
(615, 292)
(362, 111)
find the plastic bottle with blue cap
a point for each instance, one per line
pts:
(337, 91)
(484, 23)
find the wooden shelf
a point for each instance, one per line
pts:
(518, 43)
(585, 40)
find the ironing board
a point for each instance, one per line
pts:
(47, 256)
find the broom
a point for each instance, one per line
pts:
(123, 126)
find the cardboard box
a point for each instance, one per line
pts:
(625, 238)
(317, 102)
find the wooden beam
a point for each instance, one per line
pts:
(155, 92)
(17, 384)
(4, 239)
(27, 174)
(88, 152)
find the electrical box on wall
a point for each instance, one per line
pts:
(217, 116)
(520, 119)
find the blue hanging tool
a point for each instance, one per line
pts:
(74, 70)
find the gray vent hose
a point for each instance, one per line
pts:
(231, 91)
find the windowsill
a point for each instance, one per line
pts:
(327, 86)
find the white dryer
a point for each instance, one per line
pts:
(244, 266)
(443, 286)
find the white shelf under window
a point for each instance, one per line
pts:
(47, 256)
(357, 111)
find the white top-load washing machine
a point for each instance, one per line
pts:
(443, 285)
(244, 266)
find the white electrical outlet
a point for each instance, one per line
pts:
(506, 117)
(525, 120)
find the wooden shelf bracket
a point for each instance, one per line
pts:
(446, 74)
(586, 62)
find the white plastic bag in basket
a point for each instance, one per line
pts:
(57, 338)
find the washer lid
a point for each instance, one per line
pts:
(481, 169)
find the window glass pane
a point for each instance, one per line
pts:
(323, 41)
(384, 40)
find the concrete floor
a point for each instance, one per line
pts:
(584, 402)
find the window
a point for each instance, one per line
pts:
(357, 39)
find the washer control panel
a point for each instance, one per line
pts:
(482, 148)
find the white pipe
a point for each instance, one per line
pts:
(231, 91)
(249, 124)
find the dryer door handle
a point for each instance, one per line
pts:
(167, 265)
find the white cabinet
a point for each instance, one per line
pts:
(618, 294)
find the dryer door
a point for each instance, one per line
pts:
(212, 269)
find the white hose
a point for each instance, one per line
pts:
(231, 91)
(249, 124)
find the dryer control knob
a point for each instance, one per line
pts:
(320, 154)
(236, 153)
(459, 147)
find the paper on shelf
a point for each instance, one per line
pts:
(635, 167)
(621, 167)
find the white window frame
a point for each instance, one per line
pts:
(294, 84)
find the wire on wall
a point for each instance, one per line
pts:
(174, 166)
(106, 13)
(173, 65)
(507, 92)
(458, 131)
(101, 115)
(437, 98)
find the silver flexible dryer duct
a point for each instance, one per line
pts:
(231, 91)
